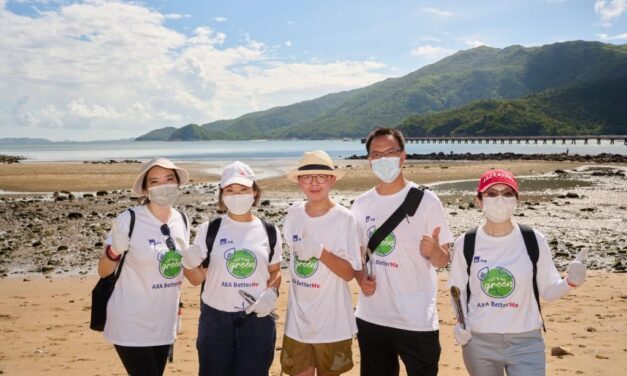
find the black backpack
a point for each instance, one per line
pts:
(212, 231)
(531, 243)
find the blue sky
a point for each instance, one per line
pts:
(98, 69)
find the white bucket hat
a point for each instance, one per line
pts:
(315, 162)
(161, 162)
(237, 173)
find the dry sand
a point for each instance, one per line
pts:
(45, 330)
(44, 321)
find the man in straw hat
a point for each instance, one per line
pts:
(322, 237)
(396, 311)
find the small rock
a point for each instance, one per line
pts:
(62, 248)
(37, 243)
(572, 195)
(75, 215)
(591, 329)
(600, 356)
(101, 193)
(560, 351)
(265, 203)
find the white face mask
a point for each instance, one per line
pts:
(499, 209)
(163, 195)
(239, 204)
(386, 169)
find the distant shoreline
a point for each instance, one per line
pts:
(558, 157)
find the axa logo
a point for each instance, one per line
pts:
(294, 238)
(225, 241)
(369, 219)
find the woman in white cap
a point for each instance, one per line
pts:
(237, 258)
(146, 242)
(322, 236)
(501, 269)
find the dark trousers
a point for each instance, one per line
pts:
(144, 361)
(381, 346)
(234, 344)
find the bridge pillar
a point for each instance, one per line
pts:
(564, 141)
(585, 142)
(598, 141)
(553, 141)
(612, 141)
(544, 141)
(573, 142)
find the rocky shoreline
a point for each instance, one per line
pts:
(63, 232)
(561, 157)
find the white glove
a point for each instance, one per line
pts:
(462, 336)
(308, 248)
(192, 257)
(264, 304)
(577, 269)
(119, 238)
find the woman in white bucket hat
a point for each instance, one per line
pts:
(322, 237)
(146, 242)
(237, 258)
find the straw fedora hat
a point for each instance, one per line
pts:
(315, 162)
(161, 162)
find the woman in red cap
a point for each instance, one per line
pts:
(145, 243)
(501, 268)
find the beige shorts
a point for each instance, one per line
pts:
(332, 358)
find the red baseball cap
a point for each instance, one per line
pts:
(492, 177)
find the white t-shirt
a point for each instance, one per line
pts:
(405, 297)
(501, 299)
(142, 310)
(320, 309)
(239, 261)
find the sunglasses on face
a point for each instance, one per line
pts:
(308, 179)
(169, 242)
(496, 193)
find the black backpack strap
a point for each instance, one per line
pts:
(131, 226)
(469, 253)
(184, 219)
(272, 237)
(407, 209)
(212, 231)
(531, 243)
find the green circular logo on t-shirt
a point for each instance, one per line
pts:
(386, 246)
(497, 282)
(170, 264)
(241, 263)
(307, 268)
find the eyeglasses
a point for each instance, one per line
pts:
(308, 179)
(165, 231)
(496, 193)
(387, 153)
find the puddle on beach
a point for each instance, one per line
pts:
(541, 187)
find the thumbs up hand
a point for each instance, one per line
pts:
(577, 269)
(429, 245)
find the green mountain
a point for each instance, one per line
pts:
(477, 74)
(161, 134)
(594, 108)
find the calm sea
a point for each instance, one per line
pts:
(264, 150)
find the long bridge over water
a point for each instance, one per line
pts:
(515, 139)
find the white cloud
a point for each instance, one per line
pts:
(176, 16)
(606, 37)
(117, 70)
(431, 53)
(220, 19)
(431, 39)
(437, 12)
(608, 10)
(474, 43)
(288, 43)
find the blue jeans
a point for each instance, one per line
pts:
(234, 344)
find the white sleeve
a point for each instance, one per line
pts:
(121, 224)
(458, 276)
(362, 236)
(550, 284)
(349, 246)
(278, 248)
(199, 240)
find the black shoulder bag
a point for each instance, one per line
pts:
(104, 288)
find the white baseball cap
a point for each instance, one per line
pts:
(237, 173)
(161, 162)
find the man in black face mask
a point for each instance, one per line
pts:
(396, 311)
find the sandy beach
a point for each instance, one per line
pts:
(54, 221)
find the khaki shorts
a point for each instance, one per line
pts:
(332, 358)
